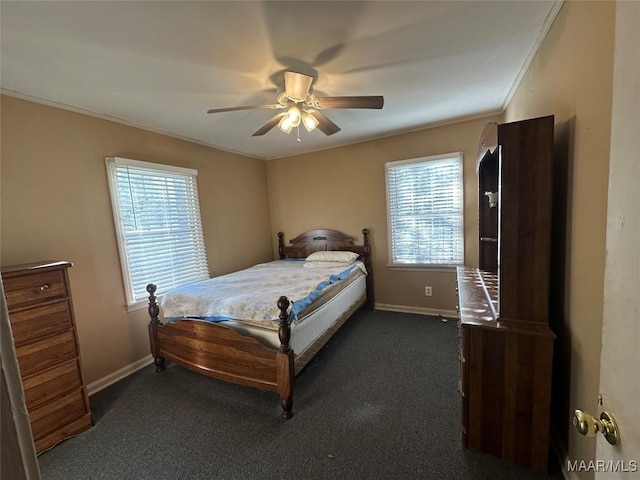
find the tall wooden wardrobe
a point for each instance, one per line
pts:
(506, 345)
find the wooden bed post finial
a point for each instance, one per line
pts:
(281, 245)
(154, 312)
(153, 309)
(370, 305)
(284, 361)
(284, 331)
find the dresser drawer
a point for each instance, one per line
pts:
(54, 415)
(33, 288)
(41, 355)
(69, 430)
(52, 383)
(33, 323)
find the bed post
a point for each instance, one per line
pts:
(284, 360)
(370, 305)
(154, 311)
(281, 245)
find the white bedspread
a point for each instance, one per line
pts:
(250, 295)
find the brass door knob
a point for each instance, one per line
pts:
(589, 426)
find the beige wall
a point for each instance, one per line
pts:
(571, 77)
(344, 189)
(55, 206)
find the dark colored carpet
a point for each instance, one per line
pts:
(379, 401)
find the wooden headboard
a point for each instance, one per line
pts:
(321, 240)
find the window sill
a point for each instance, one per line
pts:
(422, 268)
(140, 304)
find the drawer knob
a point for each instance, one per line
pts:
(44, 287)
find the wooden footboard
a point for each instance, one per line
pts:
(221, 352)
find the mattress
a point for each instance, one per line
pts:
(251, 295)
(318, 315)
(319, 321)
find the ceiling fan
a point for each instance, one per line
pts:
(301, 106)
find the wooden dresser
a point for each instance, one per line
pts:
(506, 345)
(44, 331)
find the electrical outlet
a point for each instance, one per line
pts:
(427, 291)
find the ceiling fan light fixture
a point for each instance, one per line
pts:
(294, 116)
(309, 121)
(285, 125)
(300, 105)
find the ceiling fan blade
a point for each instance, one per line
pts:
(268, 126)
(297, 85)
(325, 125)
(351, 102)
(246, 107)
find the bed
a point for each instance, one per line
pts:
(265, 354)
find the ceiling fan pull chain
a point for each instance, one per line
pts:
(298, 131)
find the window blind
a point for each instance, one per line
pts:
(425, 211)
(157, 216)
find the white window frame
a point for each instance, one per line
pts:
(173, 273)
(458, 212)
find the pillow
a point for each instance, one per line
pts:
(318, 264)
(333, 256)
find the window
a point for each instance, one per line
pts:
(157, 217)
(424, 211)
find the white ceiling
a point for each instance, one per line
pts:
(161, 65)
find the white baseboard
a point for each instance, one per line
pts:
(419, 310)
(104, 382)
